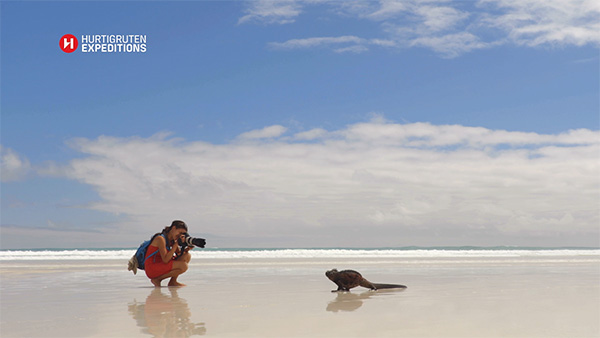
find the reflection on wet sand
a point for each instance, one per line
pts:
(348, 301)
(164, 315)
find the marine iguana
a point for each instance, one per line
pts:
(348, 279)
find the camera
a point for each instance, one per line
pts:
(188, 240)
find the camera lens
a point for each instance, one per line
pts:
(200, 242)
(191, 241)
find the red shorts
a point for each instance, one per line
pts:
(154, 266)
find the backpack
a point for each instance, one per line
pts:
(138, 260)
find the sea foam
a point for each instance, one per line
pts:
(109, 254)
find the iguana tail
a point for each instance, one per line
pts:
(389, 286)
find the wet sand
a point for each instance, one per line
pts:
(476, 297)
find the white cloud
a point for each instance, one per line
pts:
(352, 49)
(271, 12)
(409, 178)
(446, 27)
(386, 10)
(266, 132)
(339, 44)
(428, 135)
(316, 42)
(13, 166)
(451, 45)
(547, 22)
(439, 18)
(312, 134)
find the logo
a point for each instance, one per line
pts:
(104, 43)
(68, 43)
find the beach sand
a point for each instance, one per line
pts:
(452, 297)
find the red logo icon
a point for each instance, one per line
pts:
(68, 43)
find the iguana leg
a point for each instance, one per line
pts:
(366, 284)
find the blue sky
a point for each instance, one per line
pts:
(298, 123)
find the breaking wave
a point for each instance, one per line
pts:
(406, 252)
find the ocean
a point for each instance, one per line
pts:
(281, 253)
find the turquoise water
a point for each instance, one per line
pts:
(225, 253)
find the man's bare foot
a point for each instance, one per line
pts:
(156, 282)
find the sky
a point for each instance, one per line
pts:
(302, 123)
